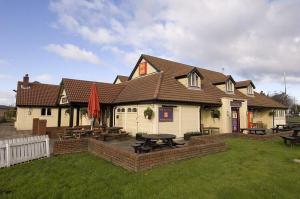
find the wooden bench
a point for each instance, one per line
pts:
(254, 131)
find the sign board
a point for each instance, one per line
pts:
(165, 114)
(235, 103)
(143, 68)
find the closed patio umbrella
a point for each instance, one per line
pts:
(94, 104)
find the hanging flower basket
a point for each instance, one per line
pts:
(215, 114)
(148, 113)
(271, 113)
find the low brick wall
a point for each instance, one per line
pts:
(114, 154)
(61, 147)
(53, 131)
(212, 138)
(139, 162)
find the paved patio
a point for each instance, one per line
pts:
(7, 130)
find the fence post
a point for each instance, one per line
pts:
(7, 155)
(47, 147)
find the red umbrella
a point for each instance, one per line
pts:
(94, 105)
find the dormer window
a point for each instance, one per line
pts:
(193, 80)
(250, 90)
(229, 86)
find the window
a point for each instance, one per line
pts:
(123, 110)
(229, 86)
(134, 110)
(118, 110)
(129, 110)
(279, 113)
(46, 111)
(193, 79)
(250, 90)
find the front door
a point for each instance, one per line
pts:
(235, 115)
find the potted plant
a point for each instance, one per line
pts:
(215, 113)
(148, 113)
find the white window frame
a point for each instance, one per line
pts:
(250, 90)
(229, 86)
(46, 112)
(193, 80)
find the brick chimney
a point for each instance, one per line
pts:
(25, 81)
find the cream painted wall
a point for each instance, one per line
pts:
(25, 117)
(245, 91)
(225, 120)
(118, 81)
(63, 95)
(150, 70)
(185, 119)
(264, 117)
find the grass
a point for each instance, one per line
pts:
(249, 169)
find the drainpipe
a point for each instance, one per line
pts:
(200, 116)
(273, 118)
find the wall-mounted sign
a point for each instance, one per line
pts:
(64, 100)
(143, 68)
(166, 114)
(235, 103)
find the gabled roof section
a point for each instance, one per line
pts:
(260, 100)
(37, 94)
(141, 89)
(137, 64)
(223, 80)
(244, 84)
(121, 78)
(78, 91)
(195, 69)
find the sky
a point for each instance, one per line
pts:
(97, 39)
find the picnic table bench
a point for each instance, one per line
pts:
(293, 139)
(256, 131)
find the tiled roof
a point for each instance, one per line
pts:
(37, 94)
(79, 90)
(244, 84)
(260, 100)
(162, 86)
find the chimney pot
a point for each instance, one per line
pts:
(26, 81)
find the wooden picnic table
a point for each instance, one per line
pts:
(293, 139)
(114, 129)
(254, 131)
(151, 140)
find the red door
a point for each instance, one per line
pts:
(235, 115)
(250, 119)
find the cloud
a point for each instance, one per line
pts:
(7, 98)
(72, 52)
(4, 76)
(257, 39)
(43, 77)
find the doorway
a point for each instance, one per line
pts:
(235, 115)
(250, 119)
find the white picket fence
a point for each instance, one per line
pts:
(18, 150)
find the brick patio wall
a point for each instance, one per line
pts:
(61, 147)
(139, 162)
(53, 131)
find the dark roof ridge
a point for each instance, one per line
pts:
(39, 83)
(158, 85)
(87, 81)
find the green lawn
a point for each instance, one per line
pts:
(249, 169)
